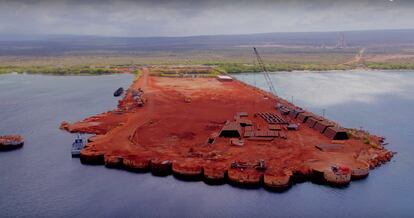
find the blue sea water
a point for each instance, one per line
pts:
(42, 180)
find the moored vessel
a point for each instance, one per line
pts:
(119, 92)
(77, 146)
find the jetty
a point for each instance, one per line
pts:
(218, 129)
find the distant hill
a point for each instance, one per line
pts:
(62, 44)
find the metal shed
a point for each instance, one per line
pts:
(321, 126)
(303, 117)
(311, 121)
(231, 129)
(244, 122)
(336, 133)
(282, 109)
(296, 112)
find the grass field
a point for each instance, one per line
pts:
(388, 50)
(227, 61)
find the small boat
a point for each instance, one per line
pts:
(118, 92)
(77, 146)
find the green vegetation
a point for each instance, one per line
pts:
(55, 70)
(367, 141)
(234, 60)
(390, 66)
(219, 67)
(188, 71)
(244, 68)
(225, 58)
(138, 72)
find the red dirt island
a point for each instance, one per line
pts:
(220, 129)
(11, 142)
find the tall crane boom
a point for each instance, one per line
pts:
(266, 74)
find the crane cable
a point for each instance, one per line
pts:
(266, 73)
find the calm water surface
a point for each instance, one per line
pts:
(42, 180)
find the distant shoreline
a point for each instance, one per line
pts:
(333, 71)
(232, 73)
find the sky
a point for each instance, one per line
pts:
(208, 17)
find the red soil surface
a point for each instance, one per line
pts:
(171, 132)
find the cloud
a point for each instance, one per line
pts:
(177, 18)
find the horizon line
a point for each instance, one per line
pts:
(201, 35)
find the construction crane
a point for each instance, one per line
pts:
(266, 74)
